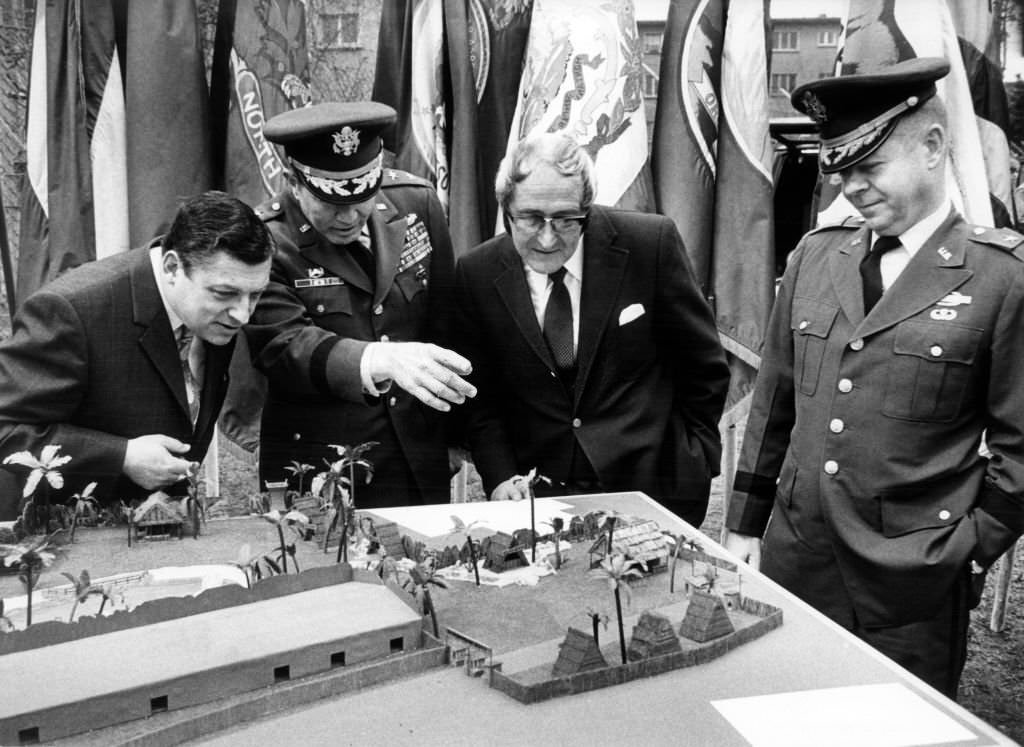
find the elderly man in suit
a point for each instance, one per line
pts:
(893, 352)
(595, 355)
(123, 362)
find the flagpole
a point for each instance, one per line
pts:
(5, 261)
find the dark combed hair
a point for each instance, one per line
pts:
(215, 222)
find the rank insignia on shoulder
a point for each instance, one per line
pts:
(417, 243)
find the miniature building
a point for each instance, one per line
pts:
(706, 618)
(577, 653)
(652, 636)
(577, 530)
(158, 518)
(502, 554)
(390, 539)
(639, 540)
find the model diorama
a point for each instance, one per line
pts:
(511, 606)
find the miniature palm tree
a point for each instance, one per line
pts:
(81, 504)
(460, 527)
(532, 478)
(299, 469)
(85, 588)
(596, 620)
(193, 505)
(336, 487)
(617, 570)
(423, 576)
(30, 559)
(44, 473)
(280, 521)
(557, 524)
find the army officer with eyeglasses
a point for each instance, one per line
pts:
(595, 356)
(351, 331)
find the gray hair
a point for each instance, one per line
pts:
(556, 149)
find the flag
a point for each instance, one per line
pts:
(583, 74)
(261, 68)
(455, 114)
(880, 33)
(168, 127)
(711, 159)
(75, 121)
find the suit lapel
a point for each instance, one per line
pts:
(515, 293)
(935, 270)
(156, 337)
(604, 266)
(387, 227)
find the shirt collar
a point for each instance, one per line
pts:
(156, 260)
(914, 237)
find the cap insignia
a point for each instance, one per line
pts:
(346, 141)
(815, 108)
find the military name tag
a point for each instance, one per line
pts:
(317, 282)
(417, 244)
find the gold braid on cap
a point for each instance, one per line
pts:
(874, 124)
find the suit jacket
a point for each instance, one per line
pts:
(651, 375)
(863, 436)
(313, 323)
(91, 363)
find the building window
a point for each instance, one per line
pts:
(652, 42)
(783, 83)
(340, 29)
(785, 41)
(826, 38)
(650, 84)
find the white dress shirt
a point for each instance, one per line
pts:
(895, 261)
(540, 289)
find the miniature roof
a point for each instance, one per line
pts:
(579, 652)
(157, 509)
(706, 618)
(640, 540)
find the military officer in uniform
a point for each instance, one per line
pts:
(351, 331)
(893, 350)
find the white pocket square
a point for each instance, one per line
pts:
(628, 314)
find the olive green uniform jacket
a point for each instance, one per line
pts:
(863, 439)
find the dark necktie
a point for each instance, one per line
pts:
(871, 270)
(363, 257)
(188, 359)
(558, 322)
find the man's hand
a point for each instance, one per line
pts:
(150, 461)
(430, 373)
(513, 489)
(744, 547)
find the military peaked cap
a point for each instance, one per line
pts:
(335, 149)
(856, 113)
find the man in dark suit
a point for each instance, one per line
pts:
(123, 362)
(595, 355)
(359, 299)
(893, 354)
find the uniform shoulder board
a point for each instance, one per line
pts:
(399, 178)
(269, 210)
(1002, 238)
(850, 223)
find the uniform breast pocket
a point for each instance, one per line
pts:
(413, 281)
(322, 303)
(930, 372)
(811, 323)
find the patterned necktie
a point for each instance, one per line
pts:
(188, 359)
(558, 322)
(871, 269)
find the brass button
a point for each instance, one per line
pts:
(831, 467)
(378, 309)
(296, 436)
(392, 401)
(804, 324)
(944, 514)
(836, 425)
(845, 386)
(857, 344)
(385, 338)
(319, 308)
(935, 350)
(576, 422)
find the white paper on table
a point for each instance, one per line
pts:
(889, 715)
(435, 520)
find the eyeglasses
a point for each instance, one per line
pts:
(535, 222)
